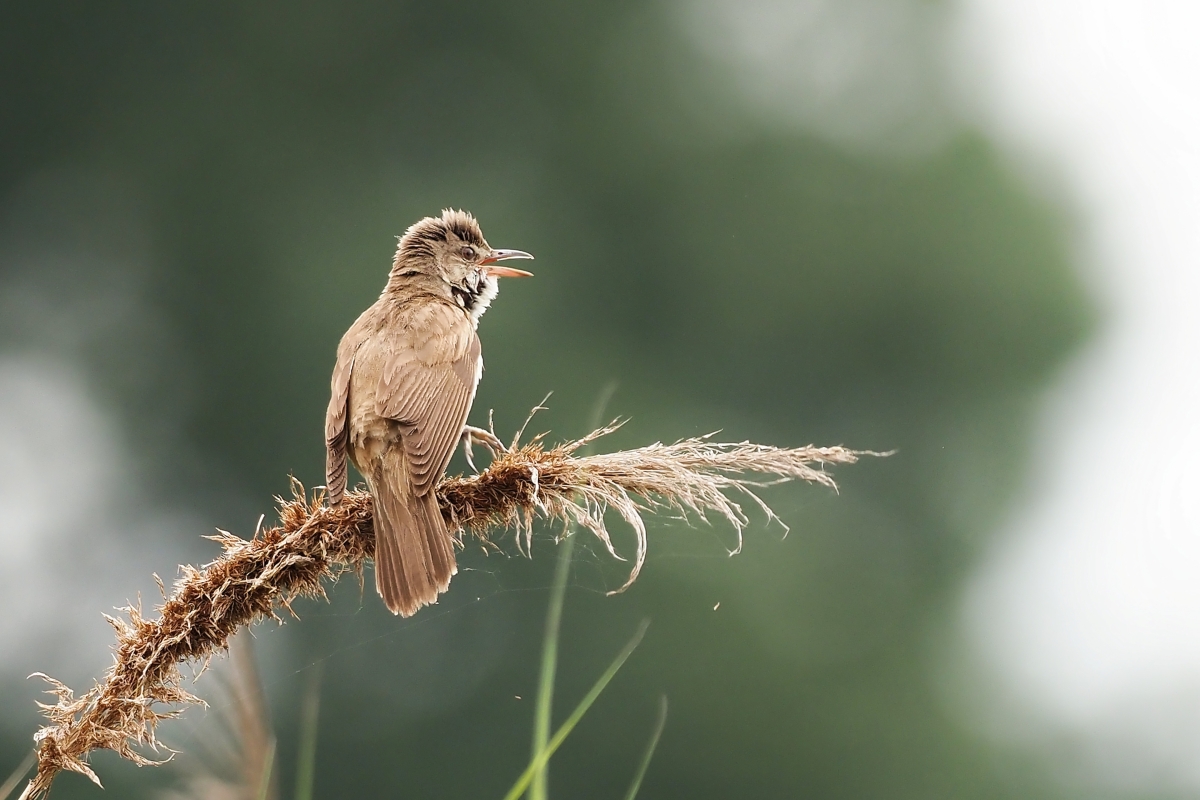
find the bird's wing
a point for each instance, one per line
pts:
(427, 384)
(336, 430)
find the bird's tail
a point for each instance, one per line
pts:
(414, 553)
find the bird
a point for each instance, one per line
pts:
(401, 391)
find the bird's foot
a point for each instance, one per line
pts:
(472, 435)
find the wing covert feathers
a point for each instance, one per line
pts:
(428, 386)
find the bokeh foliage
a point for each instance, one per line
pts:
(753, 278)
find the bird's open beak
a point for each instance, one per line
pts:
(489, 264)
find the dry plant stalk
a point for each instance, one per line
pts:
(255, 579)
(240, 754)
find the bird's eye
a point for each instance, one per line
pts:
(468, 253)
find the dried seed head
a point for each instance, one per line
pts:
(257, 578)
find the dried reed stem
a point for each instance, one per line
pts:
(255, 579)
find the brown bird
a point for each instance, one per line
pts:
(402, 388)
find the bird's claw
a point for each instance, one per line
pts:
(472, 435)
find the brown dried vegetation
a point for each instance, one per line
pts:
(256, 578)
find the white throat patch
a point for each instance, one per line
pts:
(489, 287)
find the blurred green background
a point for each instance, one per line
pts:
(242, 170)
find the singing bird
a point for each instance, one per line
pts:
(402, 387)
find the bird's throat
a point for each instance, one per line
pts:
(475, 300)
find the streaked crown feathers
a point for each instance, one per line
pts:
(425, 237)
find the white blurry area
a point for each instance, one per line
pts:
(1087, 610)
(1086, 613)
(78, 535)
(866, 74)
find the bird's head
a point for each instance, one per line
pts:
(451, 249)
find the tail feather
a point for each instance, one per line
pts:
(414, 553)
(439, 546)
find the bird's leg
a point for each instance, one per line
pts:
(472, 435)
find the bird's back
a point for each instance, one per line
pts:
(415, 366)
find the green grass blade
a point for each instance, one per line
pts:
(18, 775)
(306, 766)
(264, 784)
(649, 754)
(565, 729)
(545, 692)
(539, 790)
